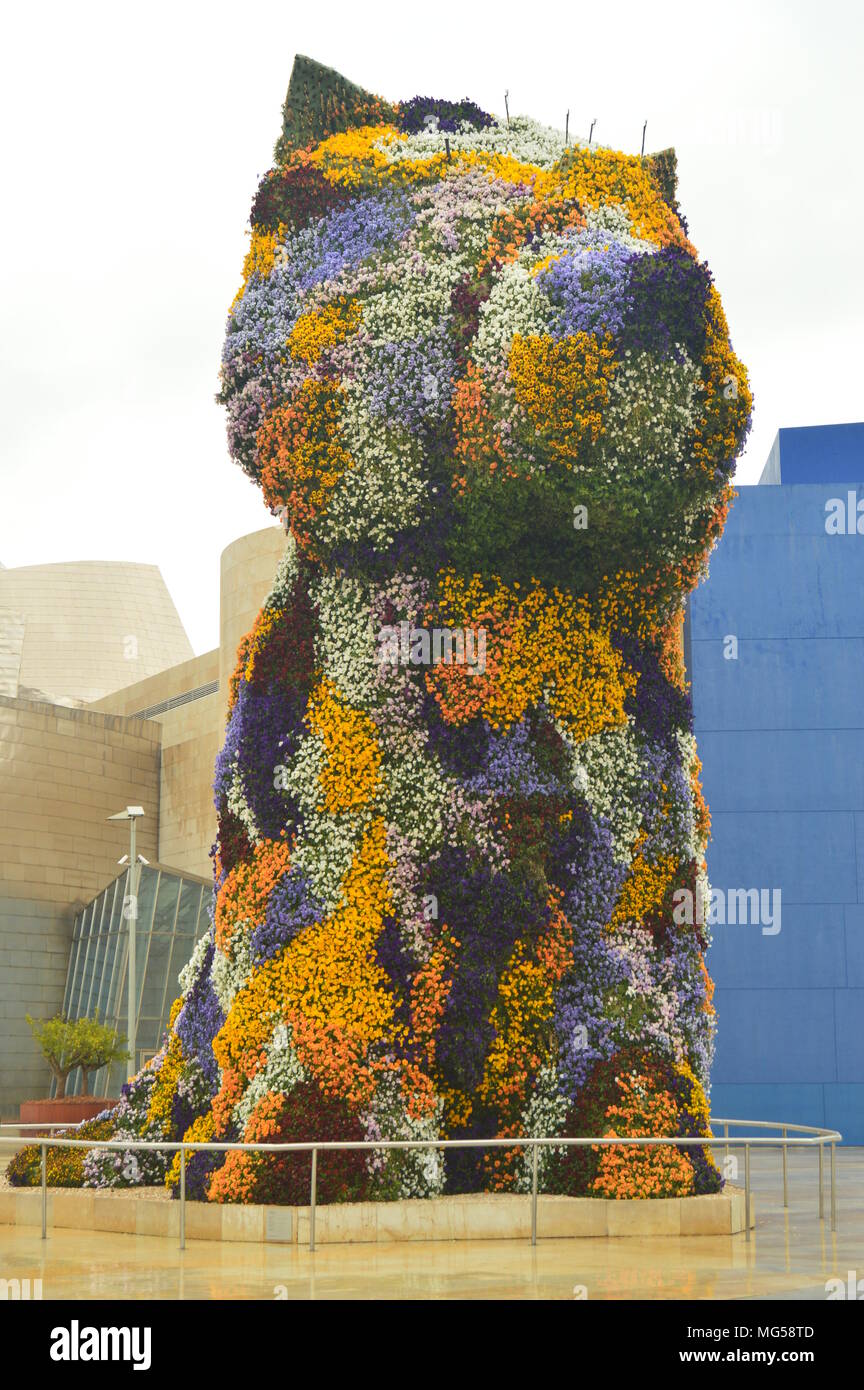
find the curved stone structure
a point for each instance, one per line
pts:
(73, 632)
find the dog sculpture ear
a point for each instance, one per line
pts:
(663, 167)
(321, 102)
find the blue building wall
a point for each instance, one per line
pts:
(781, 736)
(817, 454)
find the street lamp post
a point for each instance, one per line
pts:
(130, 912)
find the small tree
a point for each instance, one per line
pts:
(68, 1043)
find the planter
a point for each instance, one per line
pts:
(68, 1111)
(478, 1216)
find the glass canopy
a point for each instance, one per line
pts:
(172, 915)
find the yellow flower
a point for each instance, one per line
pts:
(165, 1085)
(351, 775)
(598, 177)
(643, 889)
(327, 974)
(321, 328)
(199, 1132)
(541, 646)
(563, 386)
(260, 257)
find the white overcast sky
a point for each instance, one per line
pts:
(133, 139)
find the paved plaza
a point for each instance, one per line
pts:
(791, 1255)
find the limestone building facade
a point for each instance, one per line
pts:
(91, 722)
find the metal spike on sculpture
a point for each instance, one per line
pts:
(482, 376)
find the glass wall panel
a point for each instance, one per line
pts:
(85, 960)
(155, 975)
(180, 953)
(73, 983)
(147, 885)
(187, 913)
(150, 1032)
(166, 903)
(172, 914)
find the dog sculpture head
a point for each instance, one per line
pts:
(465, 342)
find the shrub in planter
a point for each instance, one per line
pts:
(69, 1043)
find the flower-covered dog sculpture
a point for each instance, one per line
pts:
(485, 382)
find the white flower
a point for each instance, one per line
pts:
(516, 306)
(191, 971)
(607, 769)
(230, 972)
(281, 1072)
(522, 139)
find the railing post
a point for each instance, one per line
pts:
(726, 1133)
(182, 1197)
(746, 1191)
(821, 1148)
(534, 1193)
(833, 1188)
(312, 1196)
(785, 1179)
(44, 1177)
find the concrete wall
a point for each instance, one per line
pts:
(176, 680)
(781, 736)
(62, 773)
(192, 733)
(191, 738)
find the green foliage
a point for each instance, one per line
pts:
(664, 167)
(321, 102)
(68, 1043)
(63, 1167)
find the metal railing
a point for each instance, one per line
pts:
(806, 1136)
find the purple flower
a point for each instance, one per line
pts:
(348, 235)
(666, 296)
(199, 1021)
(262, 735)
(588, 285)
(487, 913)
(409, 381)
(291, 907)
(511, 766)
(414, 115)
(659, 708)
